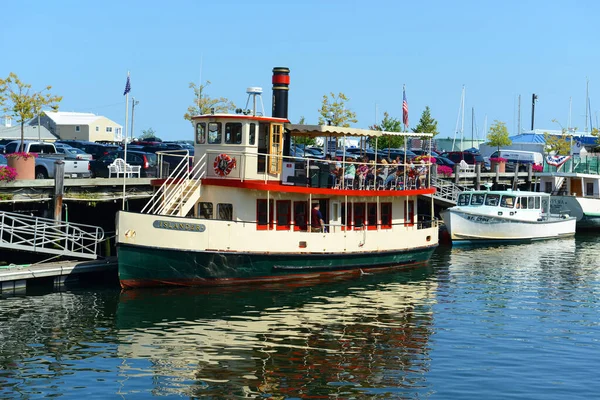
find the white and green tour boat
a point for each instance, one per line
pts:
(243, 210)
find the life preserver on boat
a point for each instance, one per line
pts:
(223, 164)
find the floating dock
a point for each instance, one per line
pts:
(14, 279)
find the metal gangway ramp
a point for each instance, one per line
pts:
(44, 235)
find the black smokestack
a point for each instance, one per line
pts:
(281, 86)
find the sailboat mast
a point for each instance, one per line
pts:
(462, 124)
(519, 117)
(569, 122)
(587, 83)
(472, 124)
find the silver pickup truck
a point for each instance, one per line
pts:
(46, 156)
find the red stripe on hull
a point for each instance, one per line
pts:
(298, 278)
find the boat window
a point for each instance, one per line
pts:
(372, 215)
(200, 133)
(359, 215)
(463, 199)
(300, 215)
(284, 214)
(537, 203)
(386, 215)
(346, 216)
(264, 217)
(233, 133)
(507, 201)
(492, 200)
(409, 212)
(252, 135)
(531, 203)
(205, 210)
(522, 202)
(477, 199)
(545, 204)
(225, 211)
(214, 133)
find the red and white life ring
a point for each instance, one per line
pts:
(223, 164)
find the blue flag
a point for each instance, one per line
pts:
(127, 86)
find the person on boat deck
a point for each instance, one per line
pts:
(382, 170)
(421, 174)
(350, 169)
(316, 219)
(334, 169)
(363, 171)
(398, 177)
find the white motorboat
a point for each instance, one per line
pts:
(498, 216)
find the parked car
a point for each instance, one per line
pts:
(147, 162)
(3, 160)
(469, 157)
(421, 152)
(74, 152)
(440, 160)
(97, 150)
(518, 156)
(47, 156)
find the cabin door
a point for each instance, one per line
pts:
(576, 187)
(275, 148)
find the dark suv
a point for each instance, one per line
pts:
(97, 150)
(470, 158)
(146, 161)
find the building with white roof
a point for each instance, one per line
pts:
(80, 126)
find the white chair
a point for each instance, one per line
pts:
(117, 167)
(464, 167)
(132, 170)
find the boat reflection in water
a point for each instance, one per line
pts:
(347, 337)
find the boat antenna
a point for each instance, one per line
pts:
(254, 92)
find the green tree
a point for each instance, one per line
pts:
(334, 112)
(427, 124)
(18, 101)
(305, 140)
(388, 124)
(148, 133)
(204, 103)
(558, 144)
(498, 135)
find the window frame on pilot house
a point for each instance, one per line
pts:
(409, 213)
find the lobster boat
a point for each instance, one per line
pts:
(249, 209)
(484, 216)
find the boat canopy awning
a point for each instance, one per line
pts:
(340, 131)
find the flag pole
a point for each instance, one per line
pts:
(127, 89)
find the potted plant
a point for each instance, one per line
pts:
(7, 174)
(444, 171)
(23, 164)
(500, 162)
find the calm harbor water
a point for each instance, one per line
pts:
(511, 322)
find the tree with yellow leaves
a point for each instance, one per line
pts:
(17, 100)
(334, 112)
(203, 103)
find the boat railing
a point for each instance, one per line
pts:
(589, 164)
(322, 173)
(184, 176)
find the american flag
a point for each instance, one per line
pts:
(127, 86)
(404, 108)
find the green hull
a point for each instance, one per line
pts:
(144, 266)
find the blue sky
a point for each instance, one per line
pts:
(365, 49)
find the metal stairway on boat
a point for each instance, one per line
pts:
(180, 191)
(446, 191)
(44, 235)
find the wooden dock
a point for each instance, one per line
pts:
(14, 279)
